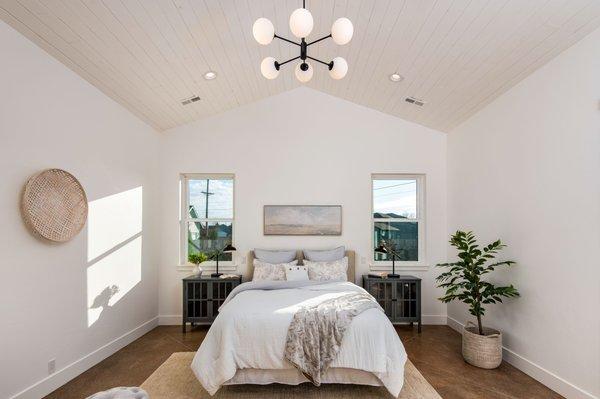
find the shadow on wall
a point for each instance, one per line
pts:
(114, 252)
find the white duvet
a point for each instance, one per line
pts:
(251, 329)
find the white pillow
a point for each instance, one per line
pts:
(336, 270)
(296, 273)
(270, 271)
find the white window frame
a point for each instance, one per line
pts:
(184, 219)
(421, 264)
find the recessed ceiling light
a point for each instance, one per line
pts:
(396, 78)
(210, 75)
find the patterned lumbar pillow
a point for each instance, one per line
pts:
(334, 270)
(270, 271)
(296, 273)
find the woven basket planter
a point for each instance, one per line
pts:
(483, 351)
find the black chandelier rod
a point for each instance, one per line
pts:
(318, 40)
(298, 44)
(286, 40)
(329, 64)
(285, 62)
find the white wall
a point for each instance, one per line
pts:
(302, 147)
(525, 169)
(50, 117)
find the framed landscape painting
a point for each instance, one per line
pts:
(302, 220)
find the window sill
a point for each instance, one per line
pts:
(387, 267)
(224, 267)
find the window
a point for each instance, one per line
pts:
(398, 217)
(207, 218)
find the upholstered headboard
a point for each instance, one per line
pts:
(300, 257)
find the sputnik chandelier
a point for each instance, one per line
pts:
(301, 24)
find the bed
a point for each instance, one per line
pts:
(246, 343)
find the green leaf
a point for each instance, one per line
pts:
(463, 279)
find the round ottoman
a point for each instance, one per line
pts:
(121, 393)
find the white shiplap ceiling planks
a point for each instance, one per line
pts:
(456, 55)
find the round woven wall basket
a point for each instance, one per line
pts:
(54, 205)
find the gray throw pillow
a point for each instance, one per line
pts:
(270, 256)
(327, 255)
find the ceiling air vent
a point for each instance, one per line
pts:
(415, 101)
(190, 100)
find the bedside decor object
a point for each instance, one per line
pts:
(197, 259)
(378, 274)
(481, 347)
(385, 248)
(202, 297)
(302, 220)
(228, 248)
(54, 205)
(399, 297)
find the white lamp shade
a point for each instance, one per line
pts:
(340, 68)
(342, 31)
(263, 31)
(267, 68)
(301, 22)
(304, 76)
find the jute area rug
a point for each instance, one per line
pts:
(174, 380)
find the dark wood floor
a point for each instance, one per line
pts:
(436, 352)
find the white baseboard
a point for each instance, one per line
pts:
(535, 371)
(66, 374)
(433, 320)
(170, 320)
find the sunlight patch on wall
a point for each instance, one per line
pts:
(110, 278)
(113, 220)
(114, 250)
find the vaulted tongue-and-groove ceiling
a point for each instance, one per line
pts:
(456, 55)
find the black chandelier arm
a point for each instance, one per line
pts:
(318, 40)
(285, 62)
(286, 40)
(329, 64)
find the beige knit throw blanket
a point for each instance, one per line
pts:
(316, 332)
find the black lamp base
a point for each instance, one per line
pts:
(216, 274)
(393, 275)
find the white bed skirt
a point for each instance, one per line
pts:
(292, 376)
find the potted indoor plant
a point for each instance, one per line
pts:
(481, 347)
(196, 259)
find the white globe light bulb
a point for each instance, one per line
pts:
(304, 76)
(263, 31)
(340, 68)
(267, 68)
(342, 31)
(301, 22)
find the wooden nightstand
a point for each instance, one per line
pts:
(202, 297)
(400, 298)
